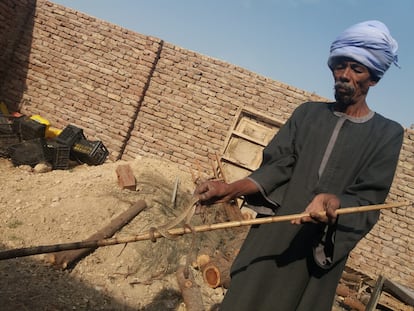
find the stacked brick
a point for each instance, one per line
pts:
(143, 96)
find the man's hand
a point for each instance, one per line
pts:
(215, 191)
(323, 202)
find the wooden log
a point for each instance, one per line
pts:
(189, 290)
(352, 277)
(66, 259)
(126, 178)
(343, 290)
(217, 272)
(354, 303)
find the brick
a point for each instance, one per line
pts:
(126, 178)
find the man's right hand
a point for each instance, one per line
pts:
(215, 191)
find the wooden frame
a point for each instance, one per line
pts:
(244, 144)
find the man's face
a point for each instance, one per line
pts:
(352, 81)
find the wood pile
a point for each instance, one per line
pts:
(357, 291)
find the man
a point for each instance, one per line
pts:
(327, 156)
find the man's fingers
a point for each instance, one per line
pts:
(303, 220)
(201, 188)
(319, 216)
(209, 191)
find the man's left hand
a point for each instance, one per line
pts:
(322, 209)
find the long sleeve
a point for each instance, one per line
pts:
(370, 187)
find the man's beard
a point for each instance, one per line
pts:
(344, 93)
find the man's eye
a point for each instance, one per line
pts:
(358, 69)
(339, 66)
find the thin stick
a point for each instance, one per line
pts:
(28, 251)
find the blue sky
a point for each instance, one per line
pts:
(285, 40)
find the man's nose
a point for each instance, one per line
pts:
(345, 74)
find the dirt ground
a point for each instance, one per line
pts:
(62, 206)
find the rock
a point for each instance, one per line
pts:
(42, 168)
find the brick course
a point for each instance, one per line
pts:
(143, 96)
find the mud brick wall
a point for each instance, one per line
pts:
(192, 101)
(16, 24)
(143, 96)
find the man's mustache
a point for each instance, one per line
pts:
(344, 86)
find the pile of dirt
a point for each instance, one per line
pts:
(62, 206)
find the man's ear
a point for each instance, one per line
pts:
(373, 82)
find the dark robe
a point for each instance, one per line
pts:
(276, 267)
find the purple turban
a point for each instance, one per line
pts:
(369, 43)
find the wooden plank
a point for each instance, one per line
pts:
(250, 133)
(229, 133)
(375, 296)
(256, 130)
(234, 172)
(249, 139)
(402, 293)
(237, 163)
(262, 117)
(250, 113)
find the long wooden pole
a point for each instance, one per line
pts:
(43, 249)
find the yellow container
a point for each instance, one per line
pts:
(3, 109)
(40, 119)
(52, 132)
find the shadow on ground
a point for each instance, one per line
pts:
(26, 284)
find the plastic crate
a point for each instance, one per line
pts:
(7, 141)
(16, 124)
(6, 126)
(30, 129)
(30, 152)
(60, 155)
(70, 135)
(89, 152)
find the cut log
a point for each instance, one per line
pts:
(126, 178)
(343, 290)
(354, 304)
(189, 290)
(217, 272)
(352, 277)
(247, 216)
(201, 261)
(66, 259)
